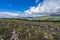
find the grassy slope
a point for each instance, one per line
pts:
(23, 28)
(53, 18)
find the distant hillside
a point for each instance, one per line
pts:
(49, 18)
(54, 14)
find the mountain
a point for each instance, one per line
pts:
(54, 14)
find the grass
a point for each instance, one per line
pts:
(48, 18)
(29, 30)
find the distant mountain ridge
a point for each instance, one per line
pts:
(54, 14)
(50, 18)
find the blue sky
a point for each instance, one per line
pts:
(28, 8)
(17, 5)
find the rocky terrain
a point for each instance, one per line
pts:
(14, 29)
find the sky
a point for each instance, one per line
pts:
(17, 5)
(28, 8)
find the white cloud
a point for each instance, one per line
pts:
(48, 6)
(36, 1)
(8, 15)
(9, 5)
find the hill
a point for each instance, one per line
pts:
(48, 18)
(21, 29)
